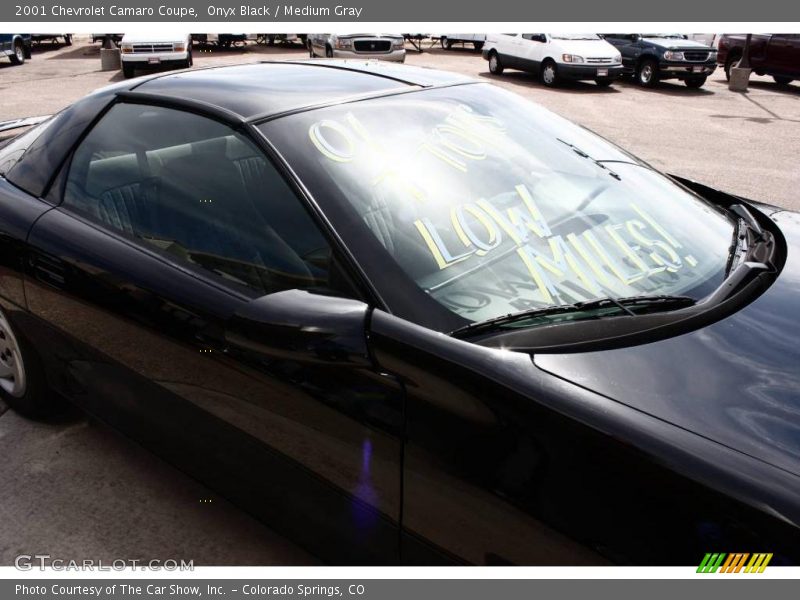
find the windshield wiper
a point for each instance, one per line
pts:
(660, 303)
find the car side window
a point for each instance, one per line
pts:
(193, 188)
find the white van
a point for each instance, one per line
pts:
(555, 56)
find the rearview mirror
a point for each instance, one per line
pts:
(303, 327)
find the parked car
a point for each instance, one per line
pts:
(52, 37)
(653, 57)
(223, 40)
(155, 50)
(554, 57)
(477, 40)
(381, 46)
(775, 54)
(16, 46)
(342, 292)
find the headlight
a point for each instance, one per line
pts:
(571, 58)
(617, 58)
(178, 47)
(712, 55)
(343, 44)
(126, 48)
(673, 55)
(399, 44)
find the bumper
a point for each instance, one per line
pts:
(161, 58)
(568, 71)
(394, 55)
(686, 71)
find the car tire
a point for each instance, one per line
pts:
(732, 60)
(128, 70)
(328, 52)
(548, 74)
(647, 73)
(68, 39)
(18, 56)
(271, 40)
(478, 46)
(311, 51)
(782, 80)
(604, 82)
(23, 385)
(443, 41)
(189, 61)
(495, 66)
(695, 83)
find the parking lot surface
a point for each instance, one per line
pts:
(747, 144)
(75, 490)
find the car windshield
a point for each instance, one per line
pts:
(490, 205)
(574, 36)
(671, 36)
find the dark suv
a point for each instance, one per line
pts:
(651, 57)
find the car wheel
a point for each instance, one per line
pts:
(444, 42)
(782, 80)
(604, 82)
(478, 45)
(68, 39)
(549, 73)
(128, 70)
(19, 54)
(328, 52)
(22, 381)
(189, 60)
(732, 60)
(695, 82)
(495, 66)
(271, 40)
(310, 50)
(647, 73)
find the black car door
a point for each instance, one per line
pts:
(170, 222)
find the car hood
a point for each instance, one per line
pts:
(736, 382)
(676, 43)
(587, 48)
(147, 38)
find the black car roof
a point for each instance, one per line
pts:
(262, 90)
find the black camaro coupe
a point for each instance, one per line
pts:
(407, 317)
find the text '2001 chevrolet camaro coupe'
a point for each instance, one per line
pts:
(407, 317)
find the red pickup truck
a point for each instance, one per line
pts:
(776, 54)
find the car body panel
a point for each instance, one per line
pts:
(428, 449)
(734, 381)
(635, 48)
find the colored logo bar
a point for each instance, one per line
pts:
(734, 563)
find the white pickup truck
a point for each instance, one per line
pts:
(555, 57)
(154, 50)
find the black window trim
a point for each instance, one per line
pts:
(356, 277)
